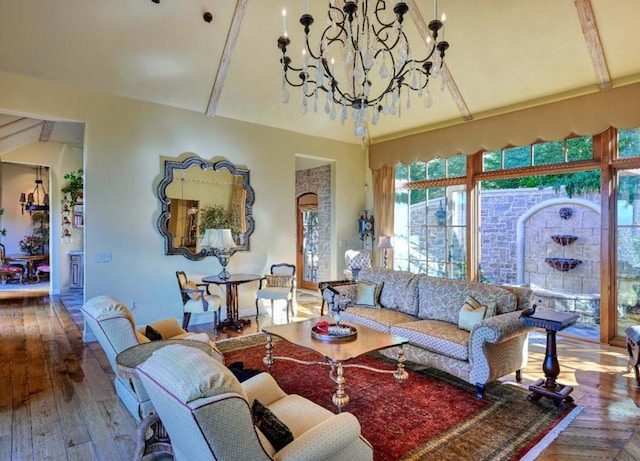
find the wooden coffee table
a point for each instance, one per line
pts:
(336, 353)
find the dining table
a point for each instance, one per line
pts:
(31, 261)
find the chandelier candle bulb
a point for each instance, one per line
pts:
(284, 17)
(435, 9)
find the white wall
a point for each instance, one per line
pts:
(124, 143)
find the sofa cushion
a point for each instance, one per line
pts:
(399, 290)
(473, 312)
(440, 299)
(378, 319)
(368, 295)
(445, 338)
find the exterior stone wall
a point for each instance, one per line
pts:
(318, 181)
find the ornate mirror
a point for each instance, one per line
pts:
(199, 198)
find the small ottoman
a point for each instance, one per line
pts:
(633, 345)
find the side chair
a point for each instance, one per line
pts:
(279, 284)
(196, 298)
(9, 271)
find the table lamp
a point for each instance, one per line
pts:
(384, 241)
(221, 242)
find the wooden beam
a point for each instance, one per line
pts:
(238, 14)
(421, 25)
(594, 46)
(45, 132)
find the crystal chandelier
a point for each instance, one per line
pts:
(376, 57)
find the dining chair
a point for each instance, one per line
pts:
(9, 271)
(196, 298)
(279, 284)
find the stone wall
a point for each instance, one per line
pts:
(318, 181)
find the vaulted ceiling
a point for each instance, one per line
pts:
(504, 55)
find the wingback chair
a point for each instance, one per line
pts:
(196, 298)
(280, 284)
(208, 415)
(355, 261)
(115, 329)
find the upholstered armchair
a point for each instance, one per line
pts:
(196, 298)
(115, 329)
(355, 261)
(280, 284)
(208, 414)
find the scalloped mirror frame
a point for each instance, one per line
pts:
(170, 167)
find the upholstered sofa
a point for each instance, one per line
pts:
(426, 311)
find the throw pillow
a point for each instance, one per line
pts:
(279, 281)
(473, 312)
(368, 295)
(192, 286)
(153, 334)
(276, 432)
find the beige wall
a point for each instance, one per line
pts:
(124, 141)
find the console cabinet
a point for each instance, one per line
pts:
(76, 260)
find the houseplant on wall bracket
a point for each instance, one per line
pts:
(3, 231)
(75, 185)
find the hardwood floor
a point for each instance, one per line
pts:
(57, 399)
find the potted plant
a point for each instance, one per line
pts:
(215, 217)
(74, 186)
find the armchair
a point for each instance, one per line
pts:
(115, 329)
(356, 260)
(208, 414)
(196, 298)
(278, 285)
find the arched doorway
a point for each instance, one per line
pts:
(307, 232)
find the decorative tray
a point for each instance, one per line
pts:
(325, 335)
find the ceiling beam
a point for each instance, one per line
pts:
(45, 132)
(421, 25)
(221, 75)
(594, 46)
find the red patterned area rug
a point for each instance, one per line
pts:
(434, 417)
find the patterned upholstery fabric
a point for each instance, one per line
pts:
(398, 290)
(114, 327)
(218, 426)
(425, 310)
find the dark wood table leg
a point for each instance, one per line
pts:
(233, 319)
(548, 387)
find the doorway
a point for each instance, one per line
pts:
(307, 232)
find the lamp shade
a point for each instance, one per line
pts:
(384, 241)
(218, 238)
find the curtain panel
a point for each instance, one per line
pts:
(383, 205)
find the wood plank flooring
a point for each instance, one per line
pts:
(57, 399)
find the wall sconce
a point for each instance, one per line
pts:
(441, 215)
(384, 242)
(221, 242)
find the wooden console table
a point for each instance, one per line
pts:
(552, 322)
